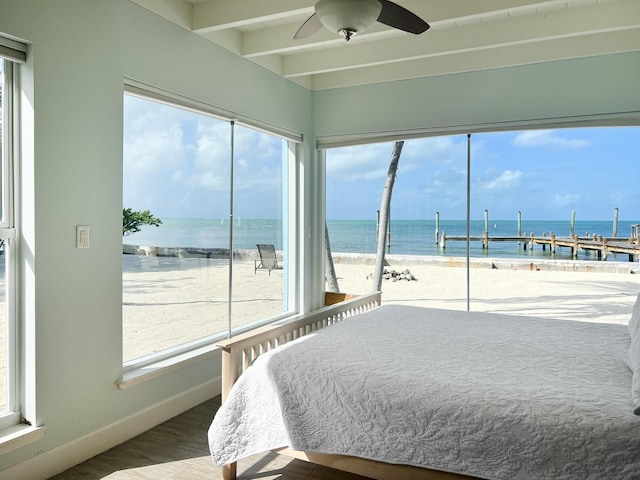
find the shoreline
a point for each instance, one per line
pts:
(531, 263)
(495, 263)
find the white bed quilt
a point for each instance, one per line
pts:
(492, 396)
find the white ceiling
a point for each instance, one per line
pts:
(465, 35)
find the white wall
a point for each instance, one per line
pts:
(81, 51)
(593, 88)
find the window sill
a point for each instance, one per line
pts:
(158, 364)
(161, 367)
(19, 436)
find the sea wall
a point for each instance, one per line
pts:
(188, 252)
(391, 260)
(495, 263)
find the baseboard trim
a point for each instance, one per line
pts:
(65, 456)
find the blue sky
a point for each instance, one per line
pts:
(177, 165)
(545, 174)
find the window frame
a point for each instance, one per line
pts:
(151, 365)
(10, 144)
(324, 144)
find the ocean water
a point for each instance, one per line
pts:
(407, 237)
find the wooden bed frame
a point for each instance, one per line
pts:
(238, 353)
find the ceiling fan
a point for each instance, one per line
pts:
(348, 17)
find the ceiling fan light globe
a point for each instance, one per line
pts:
(348, 15)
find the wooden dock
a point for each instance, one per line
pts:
(603, 246)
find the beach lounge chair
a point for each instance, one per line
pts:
(268, 259)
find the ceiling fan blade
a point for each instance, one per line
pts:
(311, 26)
(399, 17)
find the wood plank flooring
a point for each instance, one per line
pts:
(178, 450)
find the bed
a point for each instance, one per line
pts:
(411, 392)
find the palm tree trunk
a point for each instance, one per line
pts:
(330, 271)
(385, 209)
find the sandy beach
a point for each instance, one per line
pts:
(168, 301)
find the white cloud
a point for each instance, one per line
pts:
(153, 150)
(366, 162)
(547, 138)
(153, 139)
(437, 150)
(564, 200)
(371, 162)
(212, 148)
(505, 181)
(433, 148)
(446, 187)
(176, 162)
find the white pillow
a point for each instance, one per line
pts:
(634, 364)
(633, 359)
(634, 321)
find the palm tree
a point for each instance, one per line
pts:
(385, 213)
(330, 271)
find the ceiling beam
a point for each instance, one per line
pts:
(176, 11)
(465, 36)
(221, 14)
(440, 15)
(566, 23)
(500, 57)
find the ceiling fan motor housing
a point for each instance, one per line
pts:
(348, 15)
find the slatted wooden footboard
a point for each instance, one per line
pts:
(238, 353)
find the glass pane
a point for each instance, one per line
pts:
(175, 274)
(260, 207)
(355, 181)
(177, 187)
(3, 144)
(575, 185)
(522, 183)
(4, 330)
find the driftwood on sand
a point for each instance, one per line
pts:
(395, 276)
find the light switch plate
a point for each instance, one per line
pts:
(82, 236)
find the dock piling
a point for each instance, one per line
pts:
(485, 235)
(573, 223)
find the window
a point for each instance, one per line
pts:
(215, 186)
(563, 181)
(9, 399)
